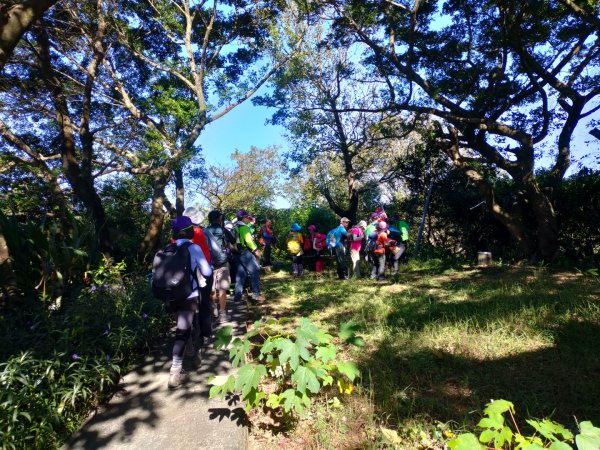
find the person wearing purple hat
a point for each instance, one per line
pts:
(184, 310)
(378, 253)
(247, 257)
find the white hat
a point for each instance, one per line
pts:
(362, 224)
(196, 216)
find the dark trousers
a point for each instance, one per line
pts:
(267, 255)
(378, 270)
(247, 267)
(340, 259)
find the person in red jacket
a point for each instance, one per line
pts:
(205, 308)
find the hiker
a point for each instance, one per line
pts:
(318, 242)
(336, 240)
(223, 241)
(185, 308)
(267, 239)
(378, 247)
(397, 251)
(204, 315)
(295, 247)
(357, 237)
(247, 258)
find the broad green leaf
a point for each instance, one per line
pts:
(238, 351)
(249, 377)
(494, 423)
(326, 353)
(498, 407)
(292, 399)
(267, 347)
(589, 438)
(348, 369)
(223, 337)
(557, 445)
(293, 351)
(466, 441)
(347, 331)
(253, 398)
(357, 341)
(273, 401)
(487, 436)
(221, 385)
(306, 377)
(550, 429)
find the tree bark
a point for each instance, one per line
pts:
(179, 192)
(150, 243)
(15, 21)
(8, 279)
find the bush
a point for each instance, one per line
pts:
(60, 364)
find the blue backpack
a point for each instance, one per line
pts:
(372, 241)
(331, 239)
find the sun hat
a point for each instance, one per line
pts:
(381, 225)
(242, 213)
(228, 225)
(296, 227)
(196, 216)
(181, 223)
(362, 224)
(344, 219)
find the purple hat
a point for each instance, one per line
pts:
(381, 225)
(242, 213)
(181, 223)
(396, 217)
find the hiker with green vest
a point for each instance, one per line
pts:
(399, 233)
(247, 257)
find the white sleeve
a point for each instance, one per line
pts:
(199, 261)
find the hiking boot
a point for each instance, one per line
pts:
(258, 298)
(215, 311)
(176, 378)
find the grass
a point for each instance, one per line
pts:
(444, 340)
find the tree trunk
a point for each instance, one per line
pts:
(545, 217)
(425, 212)
(8, 279)
(179, 192)
(82, 183)
(15, 20)
(150, 243)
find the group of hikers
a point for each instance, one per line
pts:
(380, 243)
(194, 273)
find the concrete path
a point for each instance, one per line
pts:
(145, 414)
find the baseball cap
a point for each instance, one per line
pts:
(362, 224)
(242, 213)
(181, 223)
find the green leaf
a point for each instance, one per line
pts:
(223, 337)
(249, 377)
(292, 399)
(347, 331)
(221, 385)
(357, 341)
(253, 398)
(496, 422)
(348, 369)
(549, 429)
(273, 401)
(557, 445)
(293, 351)
(466, 441)
(238, 351)
(498, 407)
(326, 353)
(589, 439)
(306, 377)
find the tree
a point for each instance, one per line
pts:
(506, 80)
(15, 20)
(253, 183)
(339, 144)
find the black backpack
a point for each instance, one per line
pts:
(372, 242)
(172, 273)
(216, 243)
